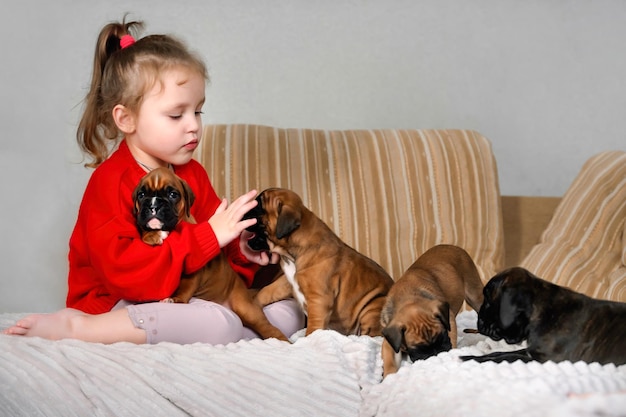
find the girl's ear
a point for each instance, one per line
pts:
(124, 119)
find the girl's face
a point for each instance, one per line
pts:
(168, 124)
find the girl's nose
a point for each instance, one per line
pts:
(194, 123)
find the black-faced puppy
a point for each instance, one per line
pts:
(558, 324)
(161, 201)
(337, 287)
(419, 317)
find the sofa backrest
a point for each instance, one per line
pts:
(390, 194)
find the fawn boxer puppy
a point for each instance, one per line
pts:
(419, 316)
(558, 324)
(337, 287)
(162, 200)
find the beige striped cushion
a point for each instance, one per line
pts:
(584, 246)
(390, 194)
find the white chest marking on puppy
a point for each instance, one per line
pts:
(289, 268)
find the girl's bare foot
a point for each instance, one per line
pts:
(53, 326)
(113, 326)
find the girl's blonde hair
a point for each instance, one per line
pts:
(123, 76)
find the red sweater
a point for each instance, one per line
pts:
(109, 262)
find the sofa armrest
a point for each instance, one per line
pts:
(524, 220)
(583, 245)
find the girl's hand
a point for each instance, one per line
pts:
(226, 221)
(258, 257)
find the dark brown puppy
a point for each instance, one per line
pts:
(337, 287)
(419, 316)
(558, 324)
(162, 200)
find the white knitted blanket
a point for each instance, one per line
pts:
(325, 374)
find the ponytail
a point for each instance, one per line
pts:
(96, 128)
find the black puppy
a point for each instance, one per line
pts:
(558, 324)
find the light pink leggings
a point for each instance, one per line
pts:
(206, 321)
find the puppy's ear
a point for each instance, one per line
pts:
(395, 336)
(188, 196)
(443, 314)
(515, 305)
(135, 202)
(288, 220)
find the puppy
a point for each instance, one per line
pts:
(161, 201)
(419, 316)
(337, 287)
(558, 324)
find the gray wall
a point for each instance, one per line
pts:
(543, 80)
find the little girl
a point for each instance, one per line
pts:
(150, 93)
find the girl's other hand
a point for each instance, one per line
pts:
(258, 257)
(226, 221)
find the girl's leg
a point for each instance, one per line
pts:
(199, 321)
(286, 315)
(111, 327)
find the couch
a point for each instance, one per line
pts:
(391, 194)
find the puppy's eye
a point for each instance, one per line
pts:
(140, 195)
(173, 195)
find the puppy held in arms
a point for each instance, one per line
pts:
(558, 324)
(337, 287)
(161, 201)
(419, 317)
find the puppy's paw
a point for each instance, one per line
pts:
(511, 356)
(173, 300)
(155, 238)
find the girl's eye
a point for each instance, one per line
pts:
(175, 116)
(199, 112)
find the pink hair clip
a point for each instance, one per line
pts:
(126, 41)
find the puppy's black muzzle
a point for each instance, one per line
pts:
(440, 344)
(259, 241)
(487, 326)
(151, 207)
